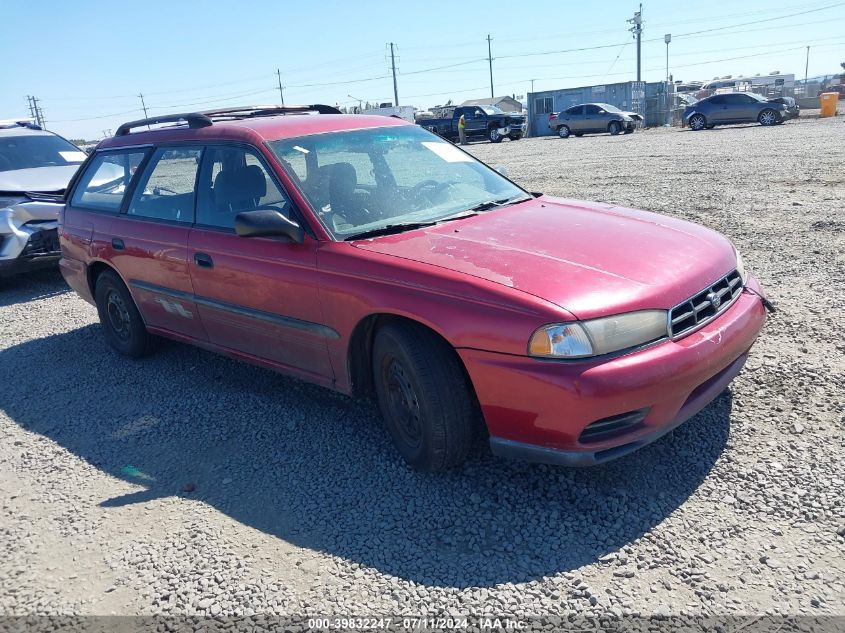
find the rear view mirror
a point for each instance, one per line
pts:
(267, 223)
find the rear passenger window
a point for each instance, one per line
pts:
(106, 180)
(166, 189)
(234, 179)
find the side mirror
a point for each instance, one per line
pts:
(267, 223)
(502, 170)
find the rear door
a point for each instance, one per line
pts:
(574, 118)
(256, 296)
(148, 241)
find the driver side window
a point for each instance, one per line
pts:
(234, 179)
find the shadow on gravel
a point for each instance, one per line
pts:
(38, 284)
(316, 469)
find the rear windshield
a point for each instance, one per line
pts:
(41, 150)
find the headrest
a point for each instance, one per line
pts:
(242, 183)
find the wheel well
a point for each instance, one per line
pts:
(359, 358)
(94, 271)
(613, 123)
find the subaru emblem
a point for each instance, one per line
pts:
(714, 299)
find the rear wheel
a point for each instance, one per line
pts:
(768, 117)
(563, 131)
(122, 323)
(614, 128)
(697, 122)
(424, 396)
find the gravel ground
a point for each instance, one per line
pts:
(188, 483)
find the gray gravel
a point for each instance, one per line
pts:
(188, 483)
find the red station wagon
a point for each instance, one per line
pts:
(367, 255)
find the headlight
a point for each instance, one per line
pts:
(8, 201)
(740, 267)
(598, 336)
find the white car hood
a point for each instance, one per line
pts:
(44, 179)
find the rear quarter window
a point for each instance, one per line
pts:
(106, 179)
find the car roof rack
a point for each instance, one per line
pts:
(207, 117)
(12, 123)
(193, 119)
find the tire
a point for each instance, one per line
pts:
(563, 131)
(514, 137)
(578, 134)
(122, 324)
(629, 131)
(768, 117)
(493, 135)
(697, 122)
(424, 396)
(710, 126)
(614, 128)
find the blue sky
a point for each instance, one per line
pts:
(88, 60)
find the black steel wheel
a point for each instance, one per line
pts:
(122, 324)
(424, 396)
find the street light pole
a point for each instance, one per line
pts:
(667, 38)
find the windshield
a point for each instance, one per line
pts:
(362, 181)
(41, 150)
(608, 108)
(492, 110)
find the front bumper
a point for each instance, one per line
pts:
(40, 250)
(538, 409)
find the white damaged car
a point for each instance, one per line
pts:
(35, 169)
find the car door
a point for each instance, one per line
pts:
(745, 107)
(148, 241)
(574, 118)
(476, 122)
(594, 121)
(256, 295)
(718, 109)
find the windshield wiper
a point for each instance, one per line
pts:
(492, 204)
(407, 226)
(388, 230)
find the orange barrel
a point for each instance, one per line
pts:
(828, 102)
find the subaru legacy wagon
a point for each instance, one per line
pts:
(370, 256)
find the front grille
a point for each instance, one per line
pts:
(610, 427)
(42, 243)
(704, 306)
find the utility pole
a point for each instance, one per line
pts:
(806, 69)
(637, 30)
(281, 94)
(29, 103)
(143, 105)
(668, 38)
(490, 62)
(393, 69)
(532, 84)
(39, 115)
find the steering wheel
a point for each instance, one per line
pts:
(428, 189)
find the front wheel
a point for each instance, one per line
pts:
(424, 396)
(563, 131)
(494, 136)
(614, 128)
(697, 122)
(768, 117)
(122, 323)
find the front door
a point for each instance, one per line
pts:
(257, 296)
(148, 242)
(476, 122)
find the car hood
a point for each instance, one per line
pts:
(51, 179)
(590, 259)
(634, 115)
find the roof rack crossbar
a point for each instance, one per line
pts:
(268, 110)
(194, 120)
(207, 117)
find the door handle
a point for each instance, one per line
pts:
(117, 244)
(203, 260)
